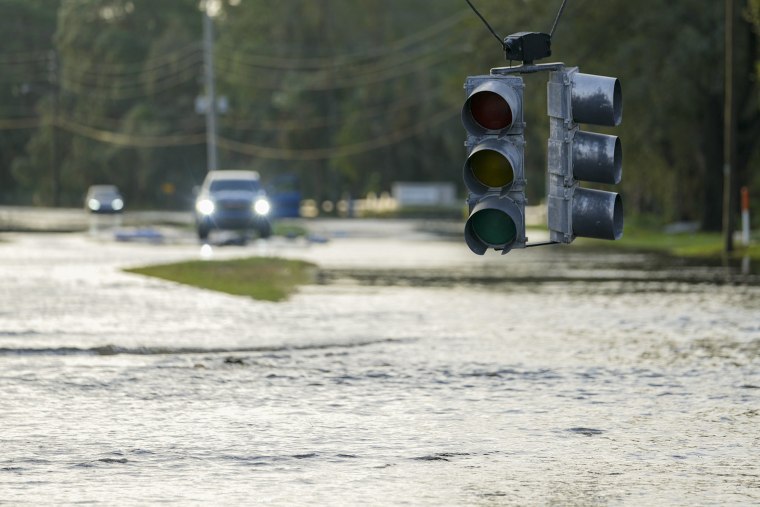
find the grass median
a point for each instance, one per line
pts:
(706, 245)
(263, 278)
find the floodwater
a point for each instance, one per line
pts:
(550, 376)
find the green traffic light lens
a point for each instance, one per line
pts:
(491, 111)
(493, 227)
(492, 169)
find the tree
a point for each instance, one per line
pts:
(27, 28)
(351, 96)
(127, 75)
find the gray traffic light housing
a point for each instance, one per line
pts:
(574, 155)
(494, 171)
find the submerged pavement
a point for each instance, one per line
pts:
(411, 372)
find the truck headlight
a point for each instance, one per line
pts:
(261, 207)
(205, 206)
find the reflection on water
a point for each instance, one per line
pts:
(612, 385)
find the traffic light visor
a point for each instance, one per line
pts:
(597, 214)
(597, 100)
(491, 111)
(493, 106)
(493, 227)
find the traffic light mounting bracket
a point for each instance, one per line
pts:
(527, 68)
(561, 185)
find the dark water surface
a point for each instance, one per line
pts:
(384, 385)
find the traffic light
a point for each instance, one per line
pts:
(494, 171)
(574, 155)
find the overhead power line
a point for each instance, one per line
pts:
(367, 66)
(347, 80)
(374, 110)
(390, 138)
(123, 81)
(254, 150)
(24, 57)
(97, 70)
(138, 91)
(20, 123)
(490, 29)
(173, 66)
(556, 20)
(188, 69)
(154, 85)
(138, 67)
(347, 59)
(133, 140)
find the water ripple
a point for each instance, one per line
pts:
(112, 350)
(586, 432)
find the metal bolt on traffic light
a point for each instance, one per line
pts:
(494, 172)
(575, 155)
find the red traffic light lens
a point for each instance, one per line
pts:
(491, 111)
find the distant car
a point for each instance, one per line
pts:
(104, 199)
(232, 200)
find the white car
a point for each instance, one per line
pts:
(232, 200)
(104, 199)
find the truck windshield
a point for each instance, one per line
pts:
(244, 185)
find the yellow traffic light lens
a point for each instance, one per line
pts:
(491, 168)
(491, 111)
(493, 227)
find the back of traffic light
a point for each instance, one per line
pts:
(574, 155)
(494, 172)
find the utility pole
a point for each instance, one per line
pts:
(55, 174)
(729, 132)
(208, 67)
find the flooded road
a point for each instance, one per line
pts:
(413, 373)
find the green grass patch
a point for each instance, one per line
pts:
(697, 244)
(716, 251)
(288, 230)
(263, 278)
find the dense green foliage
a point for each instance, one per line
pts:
(351, 96)
(264, 278)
